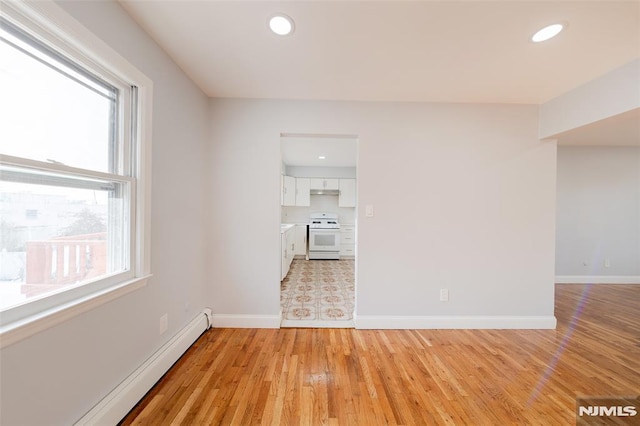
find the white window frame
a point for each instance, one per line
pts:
(47, 22)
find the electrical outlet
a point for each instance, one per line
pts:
(444, 295)
(164, 323)
(607, 263)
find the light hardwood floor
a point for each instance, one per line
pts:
(421, 377)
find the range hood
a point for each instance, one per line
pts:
(325, 192)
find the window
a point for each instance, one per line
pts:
(72, 170)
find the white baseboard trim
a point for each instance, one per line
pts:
(246, 321)
(598, 279)
(455, 322)
(125, 396)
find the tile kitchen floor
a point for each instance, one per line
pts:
(318, 293)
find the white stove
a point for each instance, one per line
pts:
(324, 221)
(324, 236)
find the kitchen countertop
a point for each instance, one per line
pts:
(284, 227)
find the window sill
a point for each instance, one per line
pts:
(14, 332)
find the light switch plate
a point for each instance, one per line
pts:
(368, 210)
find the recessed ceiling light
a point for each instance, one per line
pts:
(281, 24)
(321, 157)
(547, 32)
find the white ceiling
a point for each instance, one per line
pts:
(305, 150)
(431, 51)
(434, 51)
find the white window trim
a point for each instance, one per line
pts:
(52, 23)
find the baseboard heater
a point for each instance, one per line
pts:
(125, 396)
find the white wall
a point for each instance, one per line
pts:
(55, 377)
(598, 213)
(464, 197)
(322, 172)
(319, 204)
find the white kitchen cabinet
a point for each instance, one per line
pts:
(287, 247)
(288, 191)
(303, 192)
(323, 184)
(301, 240)
(291, 246)
(284, 270)
(347, 197)
(347, 241)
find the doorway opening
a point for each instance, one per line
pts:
(318, 199)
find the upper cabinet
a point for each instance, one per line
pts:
(303, 194)
(295, 191)
(347, 197)
(323, 184)
(288, 191)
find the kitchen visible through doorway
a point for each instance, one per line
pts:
(319, 203)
